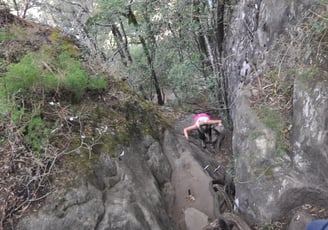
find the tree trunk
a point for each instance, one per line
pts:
(126, 47)
(133, 19)
(220, 25)
(200, 37)
(160, 100)
(122, 48)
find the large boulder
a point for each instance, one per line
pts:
(148, 185)
(251, 38)
(270, 184)
(119, 193)
(264, 39)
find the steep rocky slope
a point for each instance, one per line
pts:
(111, 160)
(276, 66)
(64, 150)
(116, 163)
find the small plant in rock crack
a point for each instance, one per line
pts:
(274, 121)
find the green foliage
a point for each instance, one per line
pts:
(5, 35)
(116, 6)
(74, 78)
(231, 170)
(21, 76)
(274, 121)
(138, 71)
(255, 134)
(185, 78)
(271, 119)
(17, 116)
(318, 27)
(33, 130)
(42, 71)
(309, 74)
(4, 108)
(12, 33)
(25, 85)
(98, 83)
(37, 134)
(166, 57)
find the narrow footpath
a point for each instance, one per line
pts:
(194, 170)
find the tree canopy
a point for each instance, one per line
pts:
(156, 45)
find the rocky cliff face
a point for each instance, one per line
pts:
(119, 194)
(157, 180)
(113, 162)
(279, 107)
(153, 185)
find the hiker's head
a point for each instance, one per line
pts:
(205, 128)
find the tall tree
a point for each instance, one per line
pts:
(149, 47)
(21, 7)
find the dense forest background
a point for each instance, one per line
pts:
(165, 49)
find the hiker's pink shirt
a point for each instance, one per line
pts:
(201, 117)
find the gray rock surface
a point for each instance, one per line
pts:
(269, 185)
(300, 220)
(252, 34)
(79, 208)
(195, 219)
(120, 194)
(152, 186)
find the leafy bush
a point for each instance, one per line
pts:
(274, 121)
(98, 83)
(25, 85)
(5, 35)
(21, 76)
(138, 71)
(74, 78)
(187, 84)
(42, 72)
(37, 133)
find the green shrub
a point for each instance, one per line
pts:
(37, 134)
(43, 71)
(271, 119)
(21, 76)
(98, 83)
(50, 82)
(274, 121)
(187, 85)
(255, 134)
(24, 85)
(5, 36)
(75, 79)
(17, 115)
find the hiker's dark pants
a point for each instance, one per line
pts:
(205, 129)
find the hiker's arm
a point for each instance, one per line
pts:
(213, 122)
(186, 130)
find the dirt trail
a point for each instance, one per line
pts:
(195, 202)
(192, 186)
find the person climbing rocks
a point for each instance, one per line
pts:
(203, 123)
